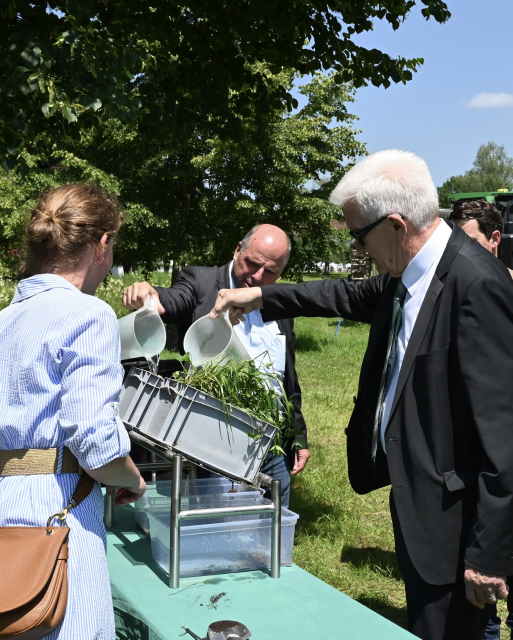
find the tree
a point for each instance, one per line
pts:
(18, 194)
(192, 201)
(492, 170)
(66, 65)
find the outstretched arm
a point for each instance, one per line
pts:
(320, 298)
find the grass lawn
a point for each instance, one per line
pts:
(342, 538)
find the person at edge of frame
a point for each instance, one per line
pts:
(482, 221)
(433, 413)
(60, 381)
(259, 260)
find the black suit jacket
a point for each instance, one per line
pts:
(449, 439)
(193, 295)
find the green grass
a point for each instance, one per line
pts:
(342, 538)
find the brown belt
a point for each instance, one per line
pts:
(29, 462)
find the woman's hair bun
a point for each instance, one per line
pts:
(67, 222)
(44, 228)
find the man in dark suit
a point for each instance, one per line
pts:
(482, 222)
(433, 415)
(259, 260)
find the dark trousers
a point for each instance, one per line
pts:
(436, 612)
(279, 469)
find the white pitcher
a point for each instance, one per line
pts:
(210, 340)
(142, 333)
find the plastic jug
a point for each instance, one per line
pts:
(209, 340)
(142, 333)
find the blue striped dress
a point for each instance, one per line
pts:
(60, 378)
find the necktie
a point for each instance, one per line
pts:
(393, 332)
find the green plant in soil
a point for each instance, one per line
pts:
(243, 385)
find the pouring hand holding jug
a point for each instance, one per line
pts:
(210, 339)
(142, 332)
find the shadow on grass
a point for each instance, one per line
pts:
(381, 605)
(307, 342)
(312, 511)
(379, 560)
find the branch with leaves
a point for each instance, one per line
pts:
(68, 65)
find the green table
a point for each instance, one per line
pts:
(296, 606)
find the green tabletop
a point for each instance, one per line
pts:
(295, 606)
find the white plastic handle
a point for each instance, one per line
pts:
(150, 303)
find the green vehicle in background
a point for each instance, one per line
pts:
(503, 200)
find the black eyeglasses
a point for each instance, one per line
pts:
(359, 235)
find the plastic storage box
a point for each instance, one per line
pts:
(202, 491)
(227, 545)
(194, 424)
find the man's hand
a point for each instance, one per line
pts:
(484, 588)
(135, 296)
(300, 460)
(242, 300)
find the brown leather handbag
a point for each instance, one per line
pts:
(34, 574)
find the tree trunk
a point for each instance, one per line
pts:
(176, 270)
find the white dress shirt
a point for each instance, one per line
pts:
(262, 340)
(416, 278)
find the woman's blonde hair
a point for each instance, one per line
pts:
(67, 222)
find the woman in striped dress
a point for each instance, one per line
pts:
(60, 378)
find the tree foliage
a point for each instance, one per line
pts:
(492, 170)
(192, 201)
(67, 65)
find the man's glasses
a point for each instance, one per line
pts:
(359, 235)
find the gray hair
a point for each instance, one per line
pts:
(390, 181)
(245, 241)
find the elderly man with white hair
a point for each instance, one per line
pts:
(433, 416)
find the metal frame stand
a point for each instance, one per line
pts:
(177, 515)
(109, 510)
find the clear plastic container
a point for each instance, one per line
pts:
(227, 545)
(201, 491)
(207, 340)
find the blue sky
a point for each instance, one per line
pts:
(460, 98)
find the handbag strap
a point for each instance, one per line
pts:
(83, 489)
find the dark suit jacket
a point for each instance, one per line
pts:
(193, 295)
(449, 439)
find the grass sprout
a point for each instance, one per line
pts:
(251, 389)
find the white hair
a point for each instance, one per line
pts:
(390, 181)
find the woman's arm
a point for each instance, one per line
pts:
(87, 354)
(123, 476)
